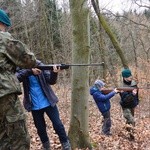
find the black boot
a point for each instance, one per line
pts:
(46, 145)
(66, 145)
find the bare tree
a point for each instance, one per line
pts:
(110, 34)
(78, 131)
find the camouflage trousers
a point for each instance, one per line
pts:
(13, 131)
(128, 114)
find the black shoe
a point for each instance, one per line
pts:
(66, 146)
(107, 134)
(46, 145)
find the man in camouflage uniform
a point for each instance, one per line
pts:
(129, 100)
(13, 131)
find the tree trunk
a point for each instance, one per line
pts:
(110, 34)
(78, 131)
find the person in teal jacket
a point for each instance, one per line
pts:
(129, 100)
(103, 103)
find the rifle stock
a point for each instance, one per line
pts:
(125, 89)
(65, 66)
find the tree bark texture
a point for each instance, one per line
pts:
(78, 131)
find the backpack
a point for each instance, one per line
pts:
(127, 100)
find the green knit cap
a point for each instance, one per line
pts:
(4, 18)
(126, 73)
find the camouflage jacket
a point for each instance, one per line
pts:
(13, 53)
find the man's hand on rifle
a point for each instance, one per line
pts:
(134, 92)
(116, 90)
(36, 71)
(56, 68)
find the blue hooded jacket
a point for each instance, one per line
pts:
(102, 100)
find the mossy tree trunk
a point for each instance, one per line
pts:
(78, 131)
(110, 34)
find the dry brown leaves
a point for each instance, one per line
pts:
(120, 140)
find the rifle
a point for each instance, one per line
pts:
(65, 66)
(125, 89)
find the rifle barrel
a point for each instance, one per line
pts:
(66, 66)
(93, 64)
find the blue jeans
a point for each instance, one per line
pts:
(40, 124)
(106, 123)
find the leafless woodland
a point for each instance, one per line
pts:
(46, 28)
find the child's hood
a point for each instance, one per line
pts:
(93, 89)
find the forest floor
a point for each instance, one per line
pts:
(120, 139)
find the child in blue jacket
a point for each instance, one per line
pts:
(103, 103)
